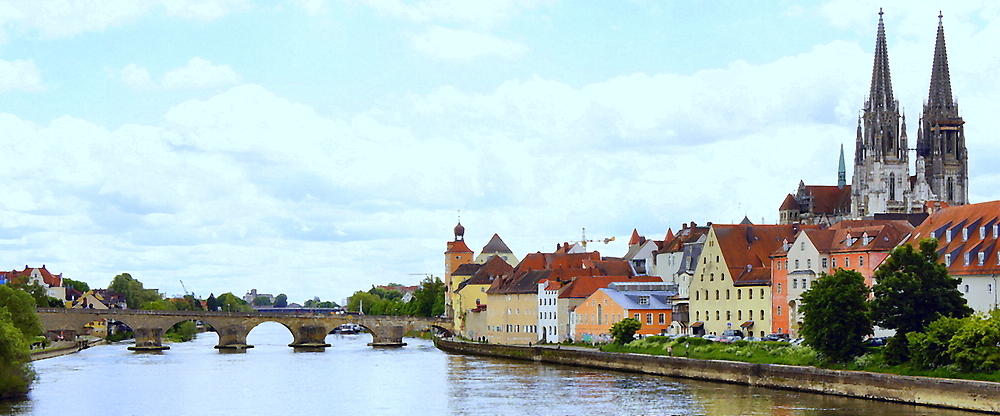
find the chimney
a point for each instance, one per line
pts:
(708, 224)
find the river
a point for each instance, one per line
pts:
(351, 378)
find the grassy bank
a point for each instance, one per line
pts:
(783, 353)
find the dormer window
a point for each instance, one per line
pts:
(965, 234)
(982, 232)
(947, 235)
(947, 259)
(644, 300)
(982, 258)
(966, 258)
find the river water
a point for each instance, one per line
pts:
(351, 378)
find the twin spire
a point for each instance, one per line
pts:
(880, 96)
(940, 97)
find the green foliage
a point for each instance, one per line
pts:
(120, 335)
(976, 345)
(428, 300)
(16, 373)
(835, 315)
(694, 347)
(262, 301)
(930, 349)
(20, 308)
(212, 303)
(913, 290)
(387, 294)
(316, 303)
(623, 331)
(281, 301)
(230, 303)
(429, 297)
(81, 287)
(182, 332)
(39, 294)
(135, 294)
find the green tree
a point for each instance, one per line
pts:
(913, 290)
(281, 301)
(624, 330)
(212, 303)
(135, 293)
(429, 297)
(182, 331)
(230, 303)
(16, 373)
(364, 300)
(21, 311)
(835, 315)
(975, 346)
(79, 286)
(387, 294)
(262, 301)
(39, 294)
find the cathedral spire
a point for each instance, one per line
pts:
(940, 97)
(842, 170)
(880, 96)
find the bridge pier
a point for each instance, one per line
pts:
(148, 339)
(387, 336)
(309, 338)
(232, 338)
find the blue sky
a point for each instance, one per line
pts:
(317, 147)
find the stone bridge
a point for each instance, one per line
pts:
(308, 330)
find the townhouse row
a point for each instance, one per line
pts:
(703, 279)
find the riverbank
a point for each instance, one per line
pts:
(972, 395)
(64, 347)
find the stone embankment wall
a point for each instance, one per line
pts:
(949, 393)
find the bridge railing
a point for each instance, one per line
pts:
(206, 314)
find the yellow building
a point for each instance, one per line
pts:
(731, 286)
(457, 254)
(470, 291)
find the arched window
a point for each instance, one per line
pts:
(599, 314)
(951, 189)
(697, 295)
(892, 186)
(779, 311)
(727, 294)
(716, 295)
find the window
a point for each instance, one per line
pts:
(795, 283)
(729, 315)
(697, 315)
(947, 235)
(739, 293)
(809, 263)
(702, 277)
(823, 262)
(750, 313)
(727, 294)
(802, 246)
(965, 257)
(996, 231)
(761, 293)
(982, 258)
(805, 284)
(989, 288)
(697, 295)
(779, 287)
(711, 277)
(716, 259)
(644, 300)
(739, 314)
(966, 288)
(649, 319)
(861, 261)
(749, 293)
(662, 319)
(796, 264)
(716, 295)
(982, 232)
(786, 264)
(947, 259)
(717, 316)
(778, 264)
(779, 311)
(762, 314)
(965, 234)
(722, 276)
(847, 262)
(833, 263)
(635, 316)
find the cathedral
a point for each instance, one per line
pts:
(882, 181)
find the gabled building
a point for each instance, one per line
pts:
(676, 261)
(40, 276)
(967, 244)
(473, 281)
(648, 302)
(732, 285)
(859, 245)
(456, 254)
(496, 247)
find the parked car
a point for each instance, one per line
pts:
(730, 338)
(710, 337)
(777, 337)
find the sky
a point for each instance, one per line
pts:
(315, 148)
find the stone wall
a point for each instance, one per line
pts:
(958, 394)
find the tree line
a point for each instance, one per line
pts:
(427, 300)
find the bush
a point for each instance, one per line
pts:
(929, 349)
(624, 331)
(974, 346)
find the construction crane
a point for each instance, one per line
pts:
(583, 240)
(182, 287)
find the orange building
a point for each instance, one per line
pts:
(457, 254)
(648, 302)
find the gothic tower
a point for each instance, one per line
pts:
(941, 137)
(881, 158)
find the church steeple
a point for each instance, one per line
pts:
(880, 95)
(842, 170)
(941, 137)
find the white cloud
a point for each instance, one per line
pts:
(20, 75)
(137, 78)
(481, 13)
(61, 18)
(455, 44)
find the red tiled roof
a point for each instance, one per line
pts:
(964, 222)
(747, 248)
(583, 287)
(789, 204)
(457, 247)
